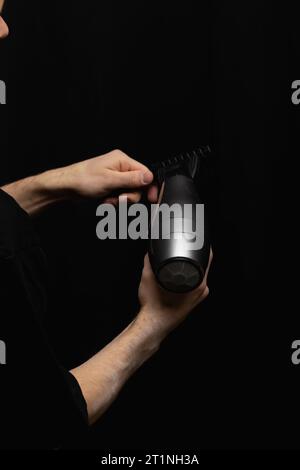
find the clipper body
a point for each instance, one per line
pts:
(178, 261)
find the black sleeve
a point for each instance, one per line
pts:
(41, 404)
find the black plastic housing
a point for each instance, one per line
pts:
(177, 267)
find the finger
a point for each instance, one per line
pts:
(203, 285)
(205, 293)
(147, 265)
(209, 264)
(211, 256)
(111, 200)
(127, 163)
(146, 260)
(132, 197)
(129, 179)
(153, 193)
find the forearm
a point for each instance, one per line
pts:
(36, 193)
(102, 377)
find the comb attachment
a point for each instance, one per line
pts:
(187, 163)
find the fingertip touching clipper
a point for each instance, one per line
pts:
(178, 262)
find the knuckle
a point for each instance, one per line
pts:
(206, 292)
(202, 287)
(119, 153)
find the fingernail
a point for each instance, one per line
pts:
(147, 178)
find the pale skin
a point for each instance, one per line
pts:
(107, 178)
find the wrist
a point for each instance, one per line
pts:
(43, 190)
(153, 324)
(34, 193)
(51, 185)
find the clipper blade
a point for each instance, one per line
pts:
(187, 163)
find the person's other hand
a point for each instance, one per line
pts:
(108, 177)
(162, 311)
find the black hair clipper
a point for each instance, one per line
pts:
(179, 240)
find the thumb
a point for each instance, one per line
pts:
(131, 179)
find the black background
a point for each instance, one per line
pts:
(155, 79)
